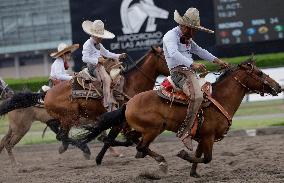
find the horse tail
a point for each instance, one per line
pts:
(21, 100)
(113, 118)
(104, 122)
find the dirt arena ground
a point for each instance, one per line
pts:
(235, 159)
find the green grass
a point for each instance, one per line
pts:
(261, 108)
(262, 60)
(36, 126)
(257, 123)
(36, 138)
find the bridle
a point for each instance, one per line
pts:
(3, 88)
(261, 79)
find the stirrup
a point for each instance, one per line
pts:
(187, 141)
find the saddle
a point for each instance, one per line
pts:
(86, 86)
(169, 92)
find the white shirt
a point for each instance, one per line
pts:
(91, 54)
(58, 71)
(177, 53)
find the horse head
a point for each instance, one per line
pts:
(254, 80)
(161, 64)
(5, 91)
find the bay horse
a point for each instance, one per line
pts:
(76, 112)
(150, 115)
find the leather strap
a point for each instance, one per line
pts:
(217, 104)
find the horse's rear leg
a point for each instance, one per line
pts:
(63, 136)
(14, 139)
(5, 139)
(143, 150)
(198, 154)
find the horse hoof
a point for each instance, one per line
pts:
(140, 155)
(195, 175)
(163, 167)
(182, 154)
(98, 161)
(62, 149)
(87, 156)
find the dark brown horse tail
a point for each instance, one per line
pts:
(21, 100)
(104, 122)
(113, 118)
(108, 120)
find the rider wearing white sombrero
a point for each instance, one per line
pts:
(178, 45)
(93, 52)
(60, 65)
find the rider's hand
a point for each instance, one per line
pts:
(101, 60)
(221, 64)
(198, 67)
(122, 56)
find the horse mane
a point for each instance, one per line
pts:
(231, 69)
(129, 65)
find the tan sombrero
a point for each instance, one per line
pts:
(63, 48)
(191, 19)
(97, 29)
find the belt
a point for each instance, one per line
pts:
(183, 67)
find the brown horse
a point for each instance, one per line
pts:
(81, 111)
(20, 122)
(150, 115)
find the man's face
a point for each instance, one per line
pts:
(187, 31)
(97, 39)
(67, 57)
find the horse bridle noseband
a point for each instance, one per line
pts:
(262, 80)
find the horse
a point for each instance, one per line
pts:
(150, 115)
(20, 122)
(76, 112)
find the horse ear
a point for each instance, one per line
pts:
(156, 48)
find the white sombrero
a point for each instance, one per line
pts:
(191, 19)
(63, 48)
(97, 29)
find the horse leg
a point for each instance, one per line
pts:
(5, 139)
(143, 150)
(206, 145)
(108, 142)
(198, 154)
(14, 139)
(54, 125)
(113, 151)
(63, 136)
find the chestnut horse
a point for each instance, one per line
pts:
(150, 115)
(76, 112)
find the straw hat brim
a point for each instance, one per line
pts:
(71, 49)
(180, 20)
(86, 25)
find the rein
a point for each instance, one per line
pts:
(262, 80)
(138, 68)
